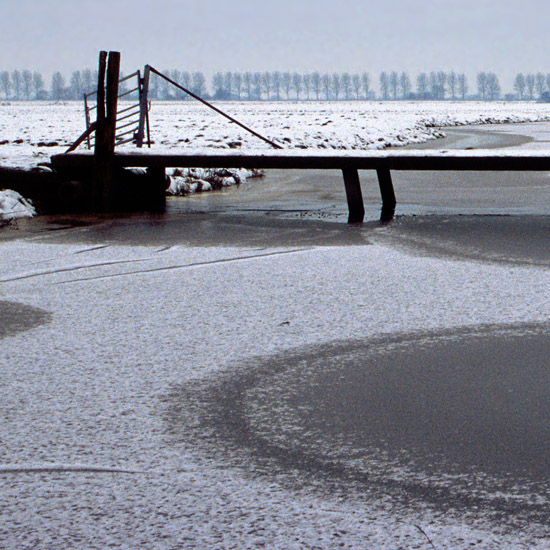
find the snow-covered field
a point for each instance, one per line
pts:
(31, 132)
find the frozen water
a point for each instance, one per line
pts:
(116, 331)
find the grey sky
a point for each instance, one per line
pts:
(339, 35)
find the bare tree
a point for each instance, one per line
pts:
(276, 81)
(37, 84)
(384, 85)
(346, 85)
(164, 86)
(306, 79)
(228, 83)
(199, 84)
(247, 81)
(316, 83)
(57, 86)
(482, 85)
(452, 80)
(405, 85)
(336, 85)
(27, 83)
(5, 82)
(266, 83)
(493, 87)
(286, 83)
(530, 85)
(297, 82)
(519, 85)
(16, 82)
(438, 80)
(365, 83)
(441, 79)
(76, 85)
(422, 85)
(356, 84)
(177, 76)
(218, 85)
(462, 86)
(153, 86)
(186, 81)
(257, 82)
(87, 81)
(433, 85)
(540, 84)
(394, 84)
(238, 84)
(325, 83)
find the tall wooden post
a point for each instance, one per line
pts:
(107, 100)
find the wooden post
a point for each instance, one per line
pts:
(388, 194)
(107, 100)
(100, 147)
(355, 197)
(143, 106)
(156, 194)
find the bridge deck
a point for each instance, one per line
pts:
(393, 159)
(349, 162)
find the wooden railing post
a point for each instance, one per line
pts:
(388, 194)
(100, 147)
(143, 105)
(354, 195)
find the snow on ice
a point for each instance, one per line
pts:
(92, 453)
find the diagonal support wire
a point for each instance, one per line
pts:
(158, 73)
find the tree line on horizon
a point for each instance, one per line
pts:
(280, 86)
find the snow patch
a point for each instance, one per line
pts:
(184, 181)
(13, 205)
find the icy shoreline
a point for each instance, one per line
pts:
(33, 131)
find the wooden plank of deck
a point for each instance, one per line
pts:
(369, 160)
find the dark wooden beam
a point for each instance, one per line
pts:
(370, 160)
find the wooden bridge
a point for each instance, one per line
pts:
(106, 166)
(349, 163)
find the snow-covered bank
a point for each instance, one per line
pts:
(13, 206)
(33, 131)
(199, 180)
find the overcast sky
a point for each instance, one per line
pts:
(505, 36)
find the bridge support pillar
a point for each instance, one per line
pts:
(388, 194)
(156, 194)
(354, 195)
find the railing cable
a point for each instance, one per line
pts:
(194, 96)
